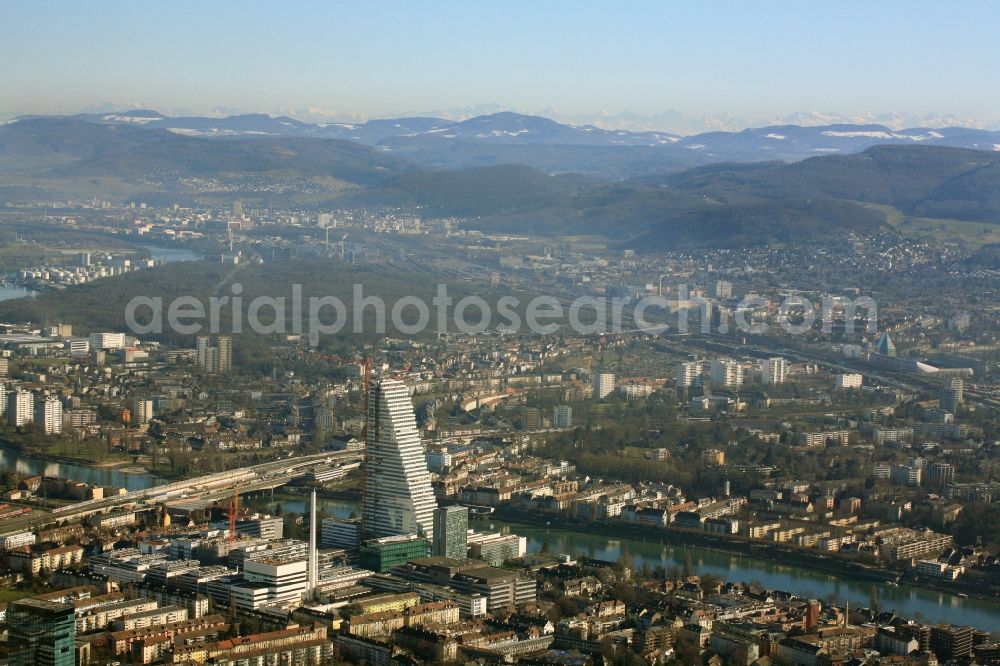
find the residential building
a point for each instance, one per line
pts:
(726, 372)
(142, 411)
(688, 374)
(48, 415)
(773, 370)
(907, 475)
(714, 457)
(562, 416)
(941, 474)
(952, 395)
(604, 384)
(214, 359)
(20, 408)
(951, 642)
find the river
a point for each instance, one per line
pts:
(159, 253)
(915, 602)
(97, 476)
(164, 254)
(11, 292)
(907, 600)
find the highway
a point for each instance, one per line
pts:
(210, 487)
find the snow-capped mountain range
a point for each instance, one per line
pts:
(793, 139)
(543, 143)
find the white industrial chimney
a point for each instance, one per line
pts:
(313, 555)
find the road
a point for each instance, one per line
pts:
(209, 487)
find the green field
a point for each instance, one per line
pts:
(961, 232)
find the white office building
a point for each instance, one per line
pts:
(849, 381)
(773, 370)
(337, 533)
(77, 346)
(107, 341)
(398, 497)
(282, 581)
(604, 384)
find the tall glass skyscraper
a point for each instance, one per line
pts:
(398, 498)
(451, 531)
(41, 633)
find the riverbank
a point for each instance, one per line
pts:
(123, 473)
(840, 567)
(9, 447)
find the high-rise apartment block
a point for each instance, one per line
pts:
(688, 374)
(604, 384)
(562, 416)
(773, 371)
(952, 395)
(214, 359)
(726, 372)
(48, 415)
(20, 408)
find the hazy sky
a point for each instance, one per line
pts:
(378, 58)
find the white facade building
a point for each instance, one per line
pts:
(688, 374)
(907, 475)
(726, 372)
(20, 408)
(849, 381)
(773, 370)
(142, 411)
(562, 416)
(284, 581)
(16, 540)
(604, 384)
(49, 415)
(398, 497)
(107, 341)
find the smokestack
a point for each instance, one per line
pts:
(313, 574)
